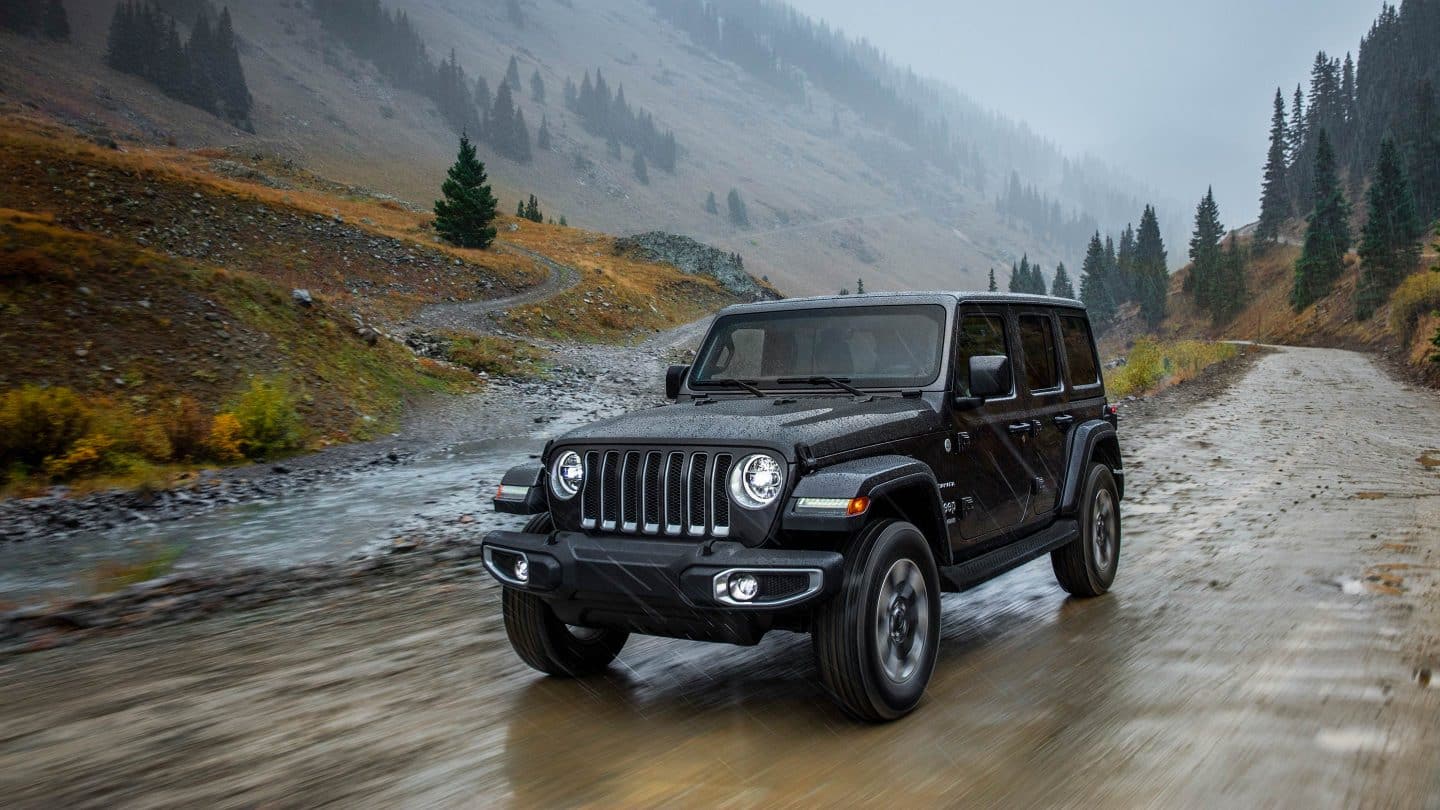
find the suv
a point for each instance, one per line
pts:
(830, 466)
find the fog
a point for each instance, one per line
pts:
(1175, 94)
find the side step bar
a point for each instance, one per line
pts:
(966, 575)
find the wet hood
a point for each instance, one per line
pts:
(827, 424)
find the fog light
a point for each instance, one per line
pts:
(743, 587)
(522, 570)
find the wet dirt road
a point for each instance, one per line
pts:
(1268, 643)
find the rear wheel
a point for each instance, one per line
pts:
(548, 644)
(876, 641)
(1087, 566)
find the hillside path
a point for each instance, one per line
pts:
(474, 315)
(1270, 641)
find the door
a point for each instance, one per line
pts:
(988, 473)
(1046, 408)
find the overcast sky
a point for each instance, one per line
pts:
(1178, 93)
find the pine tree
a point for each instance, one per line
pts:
(230, 86)
(537, 87)
(738, 215)
(532, 210)
(711, 206)
(1295, 138)
(512, 75)
(1123, 286)
(1095, 286)
(465, 214)
(1061, 286)
(1389, 243)
(993, 287)
(55, 24)
(1420, 146)
(1275, 196)
(520, 210)
(1017, 281)
(563, 223)
(1152, 278)
(1205, 251)
(1021, 281)
(520, 138)
(1230, 289)
(642, 173)
(859, 286)
(542, 138)
(1327, 236)
(482, 96)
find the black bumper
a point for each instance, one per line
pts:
(661, 587)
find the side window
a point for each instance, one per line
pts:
(1037, 341)
(1079, 351)
(979, 335)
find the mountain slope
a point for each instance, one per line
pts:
(826, 206)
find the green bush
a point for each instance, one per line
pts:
(1415, 297)
(269, 422)
(40, 423)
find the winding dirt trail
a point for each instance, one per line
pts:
(1269, 643)
(473, 315)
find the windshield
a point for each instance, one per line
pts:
(889, 346)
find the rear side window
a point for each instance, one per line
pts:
(1079, 351)
(1037, 341)
(980, 335)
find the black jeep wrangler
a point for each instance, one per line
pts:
(829, 466)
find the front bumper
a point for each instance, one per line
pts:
(658, 586)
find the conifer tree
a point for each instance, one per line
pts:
(642, 172)
(1229, 296)
(1122, 287)
(859, 286)
(1021, 281)
(520, 210)
(54, 23)
(1205, 251)
(1275, 193)
(230, 85)
(711, 206)
(512, 75)
(465, 216)
(1017, 281)
(1389, 242)
(1327, 236)
(1061, 286)
(1095, 290)
(993, 287)
(482, 96)
(738, 215)
(1152, 278)
(537, 87)
(520, 138)
(563, 223)
(542, 138)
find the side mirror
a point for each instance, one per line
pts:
(989, 376)
(674, 378)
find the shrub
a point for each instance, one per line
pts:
(90, 455)
(1151, 363)
(186, 427)
(223, 443)
(269, 423)
(40, 423)
(1143, 369)
(1415, 296)
(494, 355)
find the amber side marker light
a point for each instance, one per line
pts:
(848, 507)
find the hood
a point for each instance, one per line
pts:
(828, 425)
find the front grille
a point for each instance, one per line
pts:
(661, 493)
(774, 587)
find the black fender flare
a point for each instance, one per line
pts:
(1087, 440)
(530, 477)
(892, 482)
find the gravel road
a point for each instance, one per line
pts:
(1269, 642)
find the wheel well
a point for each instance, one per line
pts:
(1107, 452)
(918, 504)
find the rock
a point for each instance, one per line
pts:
(694, 258)
(302, 297)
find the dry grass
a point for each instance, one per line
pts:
(1153, 365)
(497, 356)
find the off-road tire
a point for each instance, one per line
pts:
(845, 631)
(1081, 566)
(548, 644)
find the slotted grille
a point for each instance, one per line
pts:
(652, 492)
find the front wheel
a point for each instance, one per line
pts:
(876, 641)
(548, 644)
(1087, 565)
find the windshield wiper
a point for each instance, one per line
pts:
(833, 382)
(732, 383)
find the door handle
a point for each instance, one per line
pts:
(1021, 427)
(1064, 420)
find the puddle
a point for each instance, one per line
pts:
(1370, 496)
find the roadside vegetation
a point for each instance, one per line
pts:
(1152, 364)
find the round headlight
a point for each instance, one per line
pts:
(567, 474)
(756, 481)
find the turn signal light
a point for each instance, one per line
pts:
(857, 506)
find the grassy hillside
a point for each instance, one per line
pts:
(827, 206)
(1401, 329)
